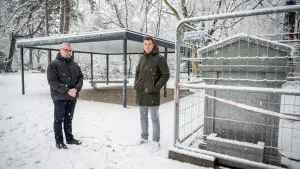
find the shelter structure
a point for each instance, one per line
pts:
(110, 42)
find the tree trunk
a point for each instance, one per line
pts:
(184, 9)
(62, 16)
(126, 14)
(30, 60)
(47, 18)
(11, 52)
(130, 66)
(173, 10)
(118, 14)
(159, 21)
(145, 20)
(146, 16)
(30, 50)
(289, 22)
(298, 26)
(38, 57)
(67, 17)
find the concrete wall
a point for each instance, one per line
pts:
(235, 123)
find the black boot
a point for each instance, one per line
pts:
(61, 146)
(74, 141)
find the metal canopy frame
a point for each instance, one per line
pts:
(112, 42)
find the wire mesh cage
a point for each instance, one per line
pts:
(243, 70)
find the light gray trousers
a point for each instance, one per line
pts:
(155, 122)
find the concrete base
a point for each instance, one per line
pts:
(192, 158)
(249, 151)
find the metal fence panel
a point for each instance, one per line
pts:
(246, 97)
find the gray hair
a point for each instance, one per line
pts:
(65, 43)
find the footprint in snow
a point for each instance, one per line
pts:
(10, 117)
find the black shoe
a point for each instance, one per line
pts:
(74, 141)
(61, 146)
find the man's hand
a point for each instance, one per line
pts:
(72, 92)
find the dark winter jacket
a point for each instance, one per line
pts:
(152, 73)
(64, 74)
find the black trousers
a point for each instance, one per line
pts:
(63, 113)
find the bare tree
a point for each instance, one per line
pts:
(15, 23)
(117, 8)
(187, 8)
(146, 6)
(174, 11)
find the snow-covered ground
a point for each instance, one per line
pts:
(109, 132)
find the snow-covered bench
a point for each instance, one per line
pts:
(94, 82)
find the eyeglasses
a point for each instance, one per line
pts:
(67, 50)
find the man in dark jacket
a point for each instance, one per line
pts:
(152, 73)
(65, 79)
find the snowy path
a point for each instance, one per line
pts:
(109, 132)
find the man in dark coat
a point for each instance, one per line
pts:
(152, 73)
(65, 79)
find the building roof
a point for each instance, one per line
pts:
(249, 38)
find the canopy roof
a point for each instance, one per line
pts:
(101, 42)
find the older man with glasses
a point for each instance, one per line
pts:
(65, 79)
